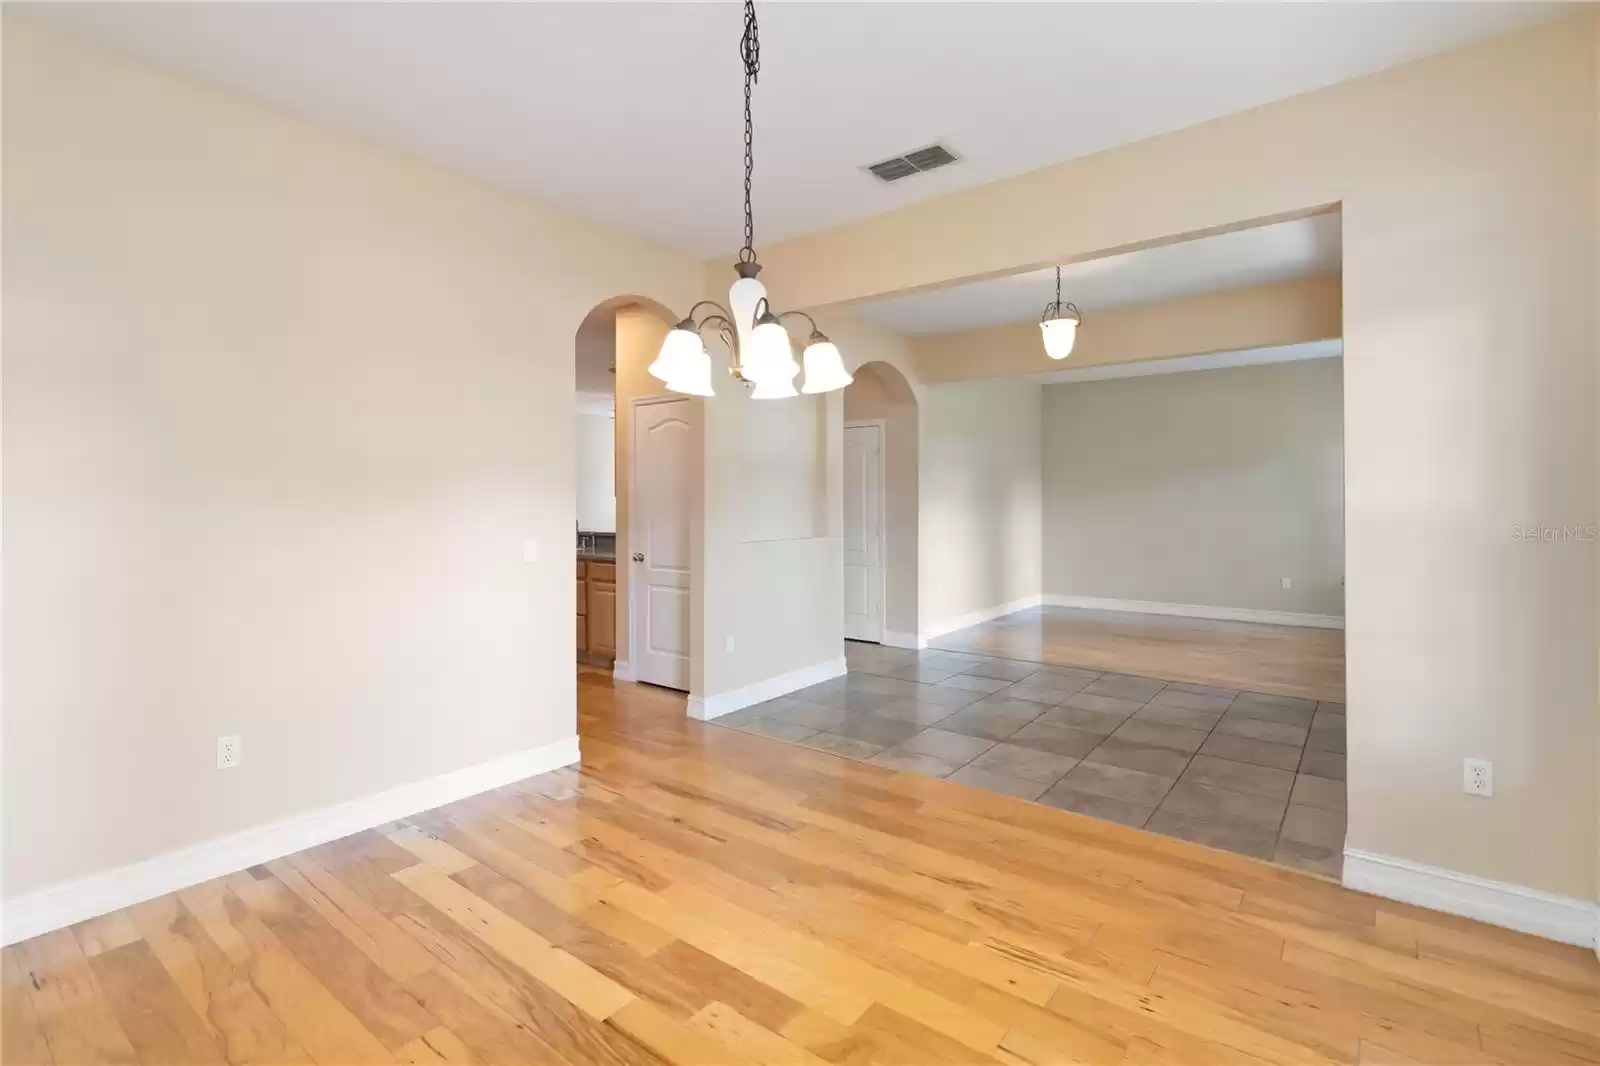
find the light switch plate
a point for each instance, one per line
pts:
(530, 551)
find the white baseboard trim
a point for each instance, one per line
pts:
(1198, 610)
(972, 618)
(622, 670)
(913, 641)
(707, 708)
(1528, 910)
(74, 901)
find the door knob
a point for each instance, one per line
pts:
(638, 557)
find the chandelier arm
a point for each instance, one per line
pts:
(730, 339)
(722, 311)
(809, 320)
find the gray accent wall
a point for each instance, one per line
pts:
(1202, 488)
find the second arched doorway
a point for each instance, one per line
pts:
(880, 507)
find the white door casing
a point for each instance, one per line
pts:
(863, 531)
(662, 492)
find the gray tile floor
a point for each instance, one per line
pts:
(1256, 774)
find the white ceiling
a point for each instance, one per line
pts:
(629, 113)
(1279, 252)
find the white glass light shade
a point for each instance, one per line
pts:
(773, 388)
(678, 352)
(692, 375)
(743, 297)
(824, 368)
(1059, 335)
(769, 355)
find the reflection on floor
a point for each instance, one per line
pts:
(1248, 656)
(1253, 773)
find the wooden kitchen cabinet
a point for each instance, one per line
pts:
(603, 615)
(597, 611)
(583, 609)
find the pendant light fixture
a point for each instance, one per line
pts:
(1059, 325)
(762, 350)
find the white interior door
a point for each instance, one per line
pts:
(863, 532)
(663, 487)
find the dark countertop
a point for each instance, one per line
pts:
(598, 557)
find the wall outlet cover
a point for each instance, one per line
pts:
(1477, 777)
(230, 751)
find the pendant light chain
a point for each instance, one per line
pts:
(750, 54)
(760, 346)
(1058, 287)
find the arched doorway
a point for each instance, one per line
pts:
(880, 513)
(626, 604)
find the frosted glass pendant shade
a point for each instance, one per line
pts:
(678, 352)
(743, 297)
(769, 356)
(824, 368)
(774, 388)
(1059, 335)
(693, 377)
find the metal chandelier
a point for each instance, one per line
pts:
(762, 353)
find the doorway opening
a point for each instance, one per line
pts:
(880, 508)
(1132, 572)
(638, 469)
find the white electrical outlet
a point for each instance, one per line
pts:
(230, 751)
(1287, 583)
(1477, 777)
(728, 645)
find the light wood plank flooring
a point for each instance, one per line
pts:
(698, 895)
(1281, 660)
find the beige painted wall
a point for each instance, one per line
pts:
(980, 493)
(1198, 488)
(770, 539)
(1250, 316)
(280, 409)
(1467, 184)
(879, 392)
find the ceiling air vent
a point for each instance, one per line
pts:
(903, 166)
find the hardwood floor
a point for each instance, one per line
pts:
(1281, 660)
(698, 895)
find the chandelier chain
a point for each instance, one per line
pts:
(1058, 286)
(750, 55)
